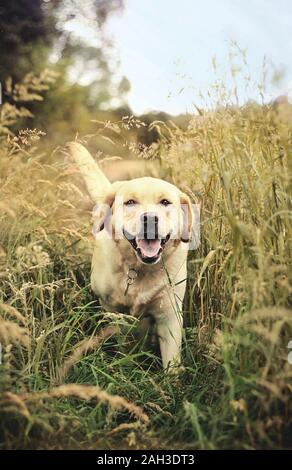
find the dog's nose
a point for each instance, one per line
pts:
(149, 222)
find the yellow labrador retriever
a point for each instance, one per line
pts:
(142, 230)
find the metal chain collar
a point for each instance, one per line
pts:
(131, 276)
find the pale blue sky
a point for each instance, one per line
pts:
(165, 46)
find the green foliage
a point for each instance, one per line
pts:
(38, 35)
(25, 38)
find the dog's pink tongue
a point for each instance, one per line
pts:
(149, 248)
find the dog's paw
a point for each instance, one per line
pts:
(175, 370)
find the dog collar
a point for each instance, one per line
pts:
(131, 276)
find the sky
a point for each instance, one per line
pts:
(166, 49)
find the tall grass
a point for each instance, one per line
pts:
(64, 384)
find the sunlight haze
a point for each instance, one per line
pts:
(166, 48)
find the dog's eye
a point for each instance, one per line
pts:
(130, 202)
(165, 202)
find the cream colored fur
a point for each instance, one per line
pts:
(159, 288)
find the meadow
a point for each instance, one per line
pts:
(63, 383)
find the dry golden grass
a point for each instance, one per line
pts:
(12, 333)
(87, 392)
(83, 347)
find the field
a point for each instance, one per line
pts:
(62, 384)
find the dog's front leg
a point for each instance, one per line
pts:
(169, 331)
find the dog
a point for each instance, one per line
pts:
(142, 229)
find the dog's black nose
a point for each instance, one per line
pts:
(149, 222)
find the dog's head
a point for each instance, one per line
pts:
(150, 215)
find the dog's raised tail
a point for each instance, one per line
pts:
(96, 182)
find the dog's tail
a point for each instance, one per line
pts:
(96, 182)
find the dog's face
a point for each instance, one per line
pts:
(151, 215)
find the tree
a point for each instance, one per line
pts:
(25, 38)
(36, 34)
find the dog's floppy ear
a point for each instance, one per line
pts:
(187, 212)
(102, 212)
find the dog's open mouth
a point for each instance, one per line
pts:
(148, 250)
